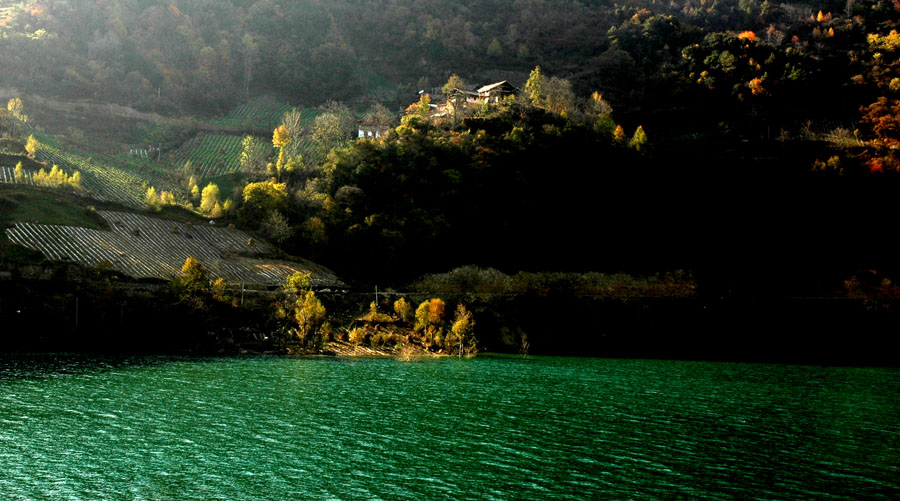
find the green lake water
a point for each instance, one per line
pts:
(82, 427)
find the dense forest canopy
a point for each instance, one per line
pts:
(208, 54)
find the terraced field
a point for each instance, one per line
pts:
(262, 114)
(211, 155)
(141, 246)
(105, 181)
(8, 176)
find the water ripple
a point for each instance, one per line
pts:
(163, 428)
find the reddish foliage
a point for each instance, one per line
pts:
(884, 118)
(747, 35)
(876, 165)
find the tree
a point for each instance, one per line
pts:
(429, 316)
(293, 123)
(31, 146)
(420, 109)
(74, 180)
(19, 173)
(152, 199)
(403, 310)
(534, 87)
(558, 96)
(332, 127)
(378, 114)
(461, 339)
(254, 155)
(276, 227)
(639, 140)
(266, 196)
(454, 82)
(280, 139)
(209, 198)
(193, 281)
(619, 135)
(17, 109)
(310, 317)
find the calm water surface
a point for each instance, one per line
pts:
(80, 427)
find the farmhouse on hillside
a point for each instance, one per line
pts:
(490, 94)
(458, 99)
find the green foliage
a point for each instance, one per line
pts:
(211, 154)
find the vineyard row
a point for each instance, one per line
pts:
(141, 246)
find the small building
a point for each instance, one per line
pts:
(372, 130)
(490, 94)
(372, 127)
(494, 92)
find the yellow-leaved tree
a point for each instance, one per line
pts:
(209, 198)
(281, 137)
(461, 338)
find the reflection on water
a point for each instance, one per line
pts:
(147, 428)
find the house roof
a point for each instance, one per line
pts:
(490, 87)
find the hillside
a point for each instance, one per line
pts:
(144, 247)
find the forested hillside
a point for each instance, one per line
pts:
(740, 137)
(207, 54)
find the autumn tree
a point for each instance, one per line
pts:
(403, 310)
(534, 87)
(193, 282)
(429, 317)
(151, 199)
(454, 82)
(17, 109)
(307, 311)
(265, 196)
(19, 174)
(254, 155)
(639, 140)
(461, 339)
(31, 146)
(209, 197)
(293, 122)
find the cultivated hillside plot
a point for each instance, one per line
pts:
(141, 246)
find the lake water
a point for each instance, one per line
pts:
(81, 427)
